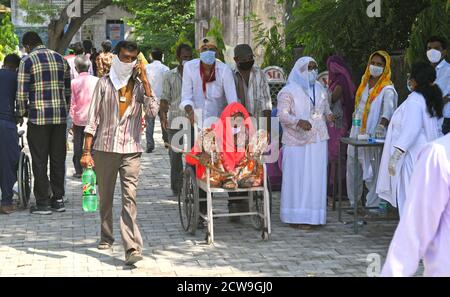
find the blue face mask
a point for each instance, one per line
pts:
(208, 57)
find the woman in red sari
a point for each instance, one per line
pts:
(226, 148)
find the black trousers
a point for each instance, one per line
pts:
(446, 126)
(9, 156)
(176, 164)
(78, 140)
(47, 142)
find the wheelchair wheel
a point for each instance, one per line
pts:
(188, 202)
(257, 221)
(24, 180)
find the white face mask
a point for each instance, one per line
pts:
(312, 76)
(376, 71)
(120, 72)
(236, 130)
(434, 56)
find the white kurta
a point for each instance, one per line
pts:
(219, 93)
(424, 230)
(410, 129)
(383, 106)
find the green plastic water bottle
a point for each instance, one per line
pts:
(89, 180)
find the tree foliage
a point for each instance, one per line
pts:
(272, 41)
(432, 21)
(343, 27)
(8, 39)
(60, 36)
(162, 23)
(39, 12)
(216, 31)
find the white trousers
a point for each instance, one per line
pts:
(372, 199)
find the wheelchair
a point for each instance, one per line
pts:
(24, 176)
(259, 199)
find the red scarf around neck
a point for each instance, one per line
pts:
(205, 79)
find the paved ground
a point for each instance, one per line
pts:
(65, 244)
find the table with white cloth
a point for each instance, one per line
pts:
(356, 144)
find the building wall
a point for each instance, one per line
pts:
(233, 16)
(93, 28)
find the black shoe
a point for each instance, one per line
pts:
(103, 245)
(133, 257)
(58, 205)
(40, 210)
(201, 223)
(149, 150)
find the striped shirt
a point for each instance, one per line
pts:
(172, 94)
(43, 88)
(115, 134)
(256, 95)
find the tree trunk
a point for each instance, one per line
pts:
(58, 40)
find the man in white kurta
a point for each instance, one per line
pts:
(424, 230)
(209, 103)
(437, 52)
(155, 73)
(303, 109)
(204, 96)
(410, 129)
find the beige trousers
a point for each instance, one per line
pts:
(107, 165)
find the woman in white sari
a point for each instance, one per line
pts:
(415, 123)
(303, 109)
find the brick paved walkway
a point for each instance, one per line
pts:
(65, 244)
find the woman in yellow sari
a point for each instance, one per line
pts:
(375, 102)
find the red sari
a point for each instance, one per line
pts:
(230, 155)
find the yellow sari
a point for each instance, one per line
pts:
(383, 81)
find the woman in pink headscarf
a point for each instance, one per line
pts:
(342, 105)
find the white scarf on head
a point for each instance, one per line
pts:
(120, 72)
(298, 86)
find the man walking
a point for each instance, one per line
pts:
(437, 51)
(43, 93)
(170, 102)
(252, 87)
(103, 60)
(115, 119)
(208, 87)
(253, 91)
(155, 74)
(9, 150)
(82, 91)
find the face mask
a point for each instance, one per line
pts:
(208, 57)
(236, 130)
(121, 72)
(376, 71)
(312, 76)
(246, 65)
(434, 56)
